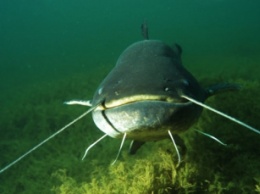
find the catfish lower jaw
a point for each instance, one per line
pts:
(144, 120)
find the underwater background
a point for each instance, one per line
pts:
(55, 51)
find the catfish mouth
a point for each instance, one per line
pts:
(141, 117)
(142, 98)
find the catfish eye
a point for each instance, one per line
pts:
(166, 89)
(185, 82)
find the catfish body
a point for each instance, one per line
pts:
(141, 96)
(147, 96)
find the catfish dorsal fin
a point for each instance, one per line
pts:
(144, 30)
(221, 113)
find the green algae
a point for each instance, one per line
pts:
(207, 166)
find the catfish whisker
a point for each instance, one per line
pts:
(78, 102)
(176, 148)
(119, 151)
(212, 137)
(93, 144)
(221, 113)
(47, 139)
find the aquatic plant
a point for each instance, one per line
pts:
(207, 166)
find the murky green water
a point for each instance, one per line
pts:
(53, 51)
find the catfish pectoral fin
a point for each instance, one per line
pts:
(134, 146)
(221, 87)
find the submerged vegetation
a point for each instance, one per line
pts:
(56, 167)
(208, 167)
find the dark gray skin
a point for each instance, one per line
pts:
(141, 96)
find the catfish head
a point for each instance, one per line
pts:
(142, 95)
